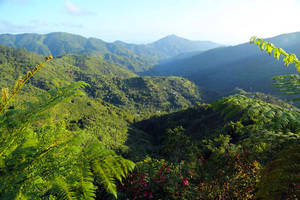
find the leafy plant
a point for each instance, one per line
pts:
(288, 84)
(40, 158)
(7, 96)
(277, 52)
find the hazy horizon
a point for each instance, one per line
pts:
(139, 21)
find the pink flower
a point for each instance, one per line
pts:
(145, 194)
(150, 195)
(185, 181)
(145, 184)
(160, 171)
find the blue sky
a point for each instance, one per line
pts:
(143, 21)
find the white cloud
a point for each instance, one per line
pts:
(75, 10)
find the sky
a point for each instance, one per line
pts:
(227, 22)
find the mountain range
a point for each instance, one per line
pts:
(134, 57)
(223, 69)
(218, 70)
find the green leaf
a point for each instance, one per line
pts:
(290, 58)
(298, 67)
(269, 48)
(277, 53)
(258, 41)
(283, 52)
(286, 60)
(262, 45)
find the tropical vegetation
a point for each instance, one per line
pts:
(78, 126)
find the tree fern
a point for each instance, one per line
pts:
(41, 159)
(62, 190)
(87, 188)
(107, 166)
(288, 85)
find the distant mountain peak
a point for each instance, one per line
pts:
(174, 45)
(172, 37)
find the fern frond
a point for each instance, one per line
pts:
(6, 97)
(101, 170)
(86, 188)
(106, 166)
(62, 190)
(288, 84)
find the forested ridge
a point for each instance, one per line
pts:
(83, 127)
(136, 58)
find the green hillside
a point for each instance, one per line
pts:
(243, 66)
(136, 58)
(114, 99)
(110, 83)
